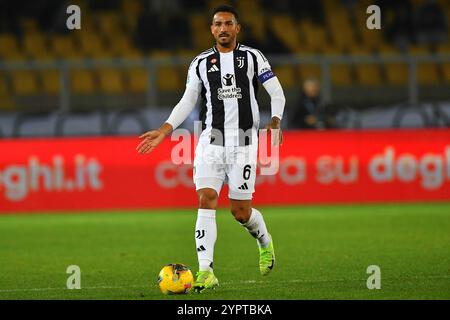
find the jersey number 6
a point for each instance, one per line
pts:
(247, 172)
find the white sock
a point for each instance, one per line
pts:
(205, 238)
(257, 228)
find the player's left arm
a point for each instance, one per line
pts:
(277, 98)
(277, 102)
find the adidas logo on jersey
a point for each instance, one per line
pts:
(244, 186)
(213, 68)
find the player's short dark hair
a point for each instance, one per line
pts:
(225, 8)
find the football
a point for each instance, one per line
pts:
(175, 278)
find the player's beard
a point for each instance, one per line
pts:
(227, 42)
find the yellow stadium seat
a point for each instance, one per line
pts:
(168, 78)
(446, 72)
(64, 47)
(35, 45)
(309, 71)
(343, 39)
(15, 57)
(427, 74)
(132, 54)
(3, 85)
(340, 75)
(444, 48)
(286, 75)
(130, 9)
(82, 81)
(368, 74)
(360, 49)
(6, 101)
(286, 30)
(419, 50)
(256, 22)
(342, 33)
(397, 73)
(104, 54)
(331, 50)
(120, 44)
(51, 81)
(248, 6)
(24, 82)
(109, 23)
(137, 80)
(371, 38)
(91, 44)
(111, 81)
(387, 50)
(8, 45)
(315, 37)
(201, 35)
(42, 55)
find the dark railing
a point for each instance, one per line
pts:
(350, 118)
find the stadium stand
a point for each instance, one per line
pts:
(134, 29)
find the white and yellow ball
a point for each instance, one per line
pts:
(175, 278)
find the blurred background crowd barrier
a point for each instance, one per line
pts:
(126, 68)
(327, 167)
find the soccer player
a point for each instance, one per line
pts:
(226, 77)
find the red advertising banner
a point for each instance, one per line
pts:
(314, 167)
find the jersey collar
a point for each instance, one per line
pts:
(238, 45)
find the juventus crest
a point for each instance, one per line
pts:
(199, 234)
(240, 61)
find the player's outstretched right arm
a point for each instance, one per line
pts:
(151, 139)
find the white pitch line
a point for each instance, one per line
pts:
(82, 288)
(224, 283)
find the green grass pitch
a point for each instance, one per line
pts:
(322, 253)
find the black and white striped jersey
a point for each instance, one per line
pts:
(228, 83)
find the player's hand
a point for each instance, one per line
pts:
(275, 125)
(151, 140)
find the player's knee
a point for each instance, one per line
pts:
(241, 213)
(207, 199)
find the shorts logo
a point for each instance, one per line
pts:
(244, 186)
(213, 60)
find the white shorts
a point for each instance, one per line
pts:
(214, 165)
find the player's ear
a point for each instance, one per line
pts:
(238, 28)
